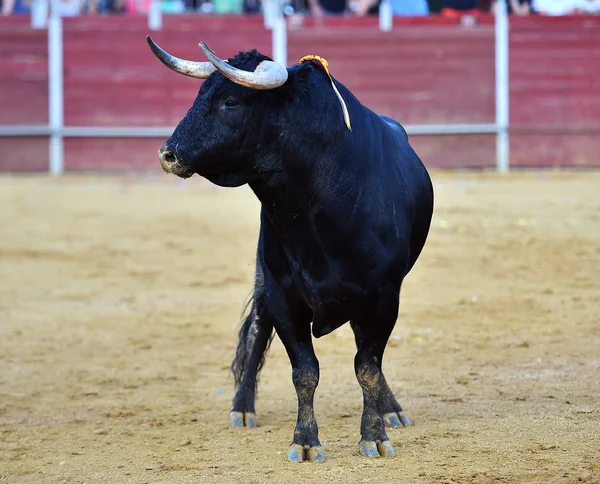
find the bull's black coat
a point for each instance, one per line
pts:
(344, 216)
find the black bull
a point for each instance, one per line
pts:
(344, 216)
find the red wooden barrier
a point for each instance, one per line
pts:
(427, 70)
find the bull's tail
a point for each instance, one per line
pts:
(254, 338)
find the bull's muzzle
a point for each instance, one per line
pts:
(168, 159)
(170, 163)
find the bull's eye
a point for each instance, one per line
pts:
(230, 102)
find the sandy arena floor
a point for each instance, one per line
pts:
(119, 304)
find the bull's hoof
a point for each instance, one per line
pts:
(242, 419)
(370, 448)
(396, 420)
(299, 453)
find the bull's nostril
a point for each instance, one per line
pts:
(169, 157)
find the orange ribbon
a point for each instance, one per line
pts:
(325, 66)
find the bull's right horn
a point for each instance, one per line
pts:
(199, 70)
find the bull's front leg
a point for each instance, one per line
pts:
(292, 324)
(305, 376)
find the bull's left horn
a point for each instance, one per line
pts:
(267, 75)
(199, 70)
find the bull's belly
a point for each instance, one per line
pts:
(348, 286)
(328, 321)
(335, 304)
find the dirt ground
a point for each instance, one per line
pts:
(119, 304)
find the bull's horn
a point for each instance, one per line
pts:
(267, 75)
(199, 70)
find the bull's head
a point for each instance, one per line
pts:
(234, 118)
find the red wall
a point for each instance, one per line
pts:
(424, 71)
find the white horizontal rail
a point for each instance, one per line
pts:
(32, 131)
(166, 131)
(117, 132)
(87, 131)
(24, 130)
(437, 129)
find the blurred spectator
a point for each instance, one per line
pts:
(467, 10)
(407, 8)
(105, 6)
(516, 7)
(67, 8)
(590, 6)
(16, 7)
(320, 8)
(520, 7)
(176, 6)
(292, 7)
(64, 8)
(459, 8)
(472, 8)
(189, 5)
(252, 6)
(410, 7)
(566, 7)
(228, 6)
(551, 7)
(295, 11)
(137, 6)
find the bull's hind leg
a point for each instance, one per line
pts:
(254, 338)
(389, 408)
(375, 330)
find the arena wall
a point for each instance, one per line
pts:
(427, 70)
